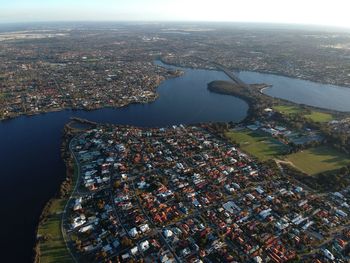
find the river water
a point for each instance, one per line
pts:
(31, 168)
(301, 91)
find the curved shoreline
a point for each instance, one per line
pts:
(77, 108)
(275, 73)
(244, 98)
(251, 98)
(270, 86)
(202, 86)
(113, 106)
(71, 162)
(157, 94)
(71, 196)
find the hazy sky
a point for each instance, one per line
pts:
(323, 12)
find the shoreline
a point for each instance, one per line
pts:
(2, 119)
(245, 98)
(70, 162)
(93, 108)
(254, 94)
(118, 106)
(213, 87)
(336, 112)
(275, 73)
(76, 256)
(70, 181)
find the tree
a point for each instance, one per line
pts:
(127, 242)
(117, 184)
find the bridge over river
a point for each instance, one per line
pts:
(231, 75)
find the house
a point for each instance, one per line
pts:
(144, 245)
(168, 233)
(133, 232)
(134, 250)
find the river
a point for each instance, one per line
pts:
(301, 91)
(31, 167)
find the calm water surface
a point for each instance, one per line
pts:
(31, 169)
(302, 91)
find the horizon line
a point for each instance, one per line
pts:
(321, 27)
(28, 22)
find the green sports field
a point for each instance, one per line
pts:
(260, 146)
(315, 116)
(320, 159)
(54, 249)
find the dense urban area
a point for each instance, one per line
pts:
(184, 194)
(94, 66)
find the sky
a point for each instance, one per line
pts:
(315, 12)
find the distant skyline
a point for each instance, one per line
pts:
(313, 12)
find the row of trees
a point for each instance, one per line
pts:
(329, 181)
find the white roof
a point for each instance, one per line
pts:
(134, 250)
(133, 232)
(144, 245)
(144, 228)
(168, 233)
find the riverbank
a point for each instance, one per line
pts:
(176, 73)
(10, 117)
(51, 245)
(210, 65)
(242, 92)
(34, 142)
(182, 100)
(258, 101)
(274, 130)
(129, 101)
(296, 90)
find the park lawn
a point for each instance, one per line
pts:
(257, 145)
(320, 159)
(54, 249)
(287, 109)
(315, 116)
(319, 116)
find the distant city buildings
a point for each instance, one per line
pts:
(89, 69)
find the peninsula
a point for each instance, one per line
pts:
(182, 194)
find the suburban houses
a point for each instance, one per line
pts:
(182, 194)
